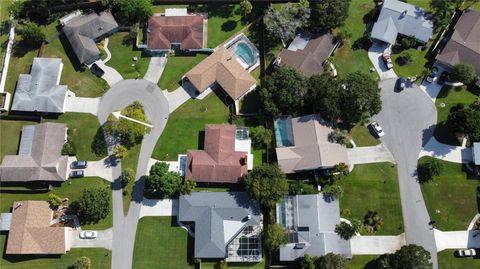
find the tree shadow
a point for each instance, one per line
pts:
(21, 48)
(229, 26)
(99, 146)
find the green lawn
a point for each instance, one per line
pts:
(346, 59)
(100, 258)
(416, 67)
(453, 193)
(186, 123)
(450, 97)
(363, 262)
(10, 136)
(362, 136)
(446, 260)
(131, 162)
(20, 62)
(71, 189)
(374, 187)
(122, 56)
(176, 68)
(161, 244)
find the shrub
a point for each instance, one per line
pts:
(338, 136)
(127, 176)
(428, 170)
(373, 221)
(405, 58)
(69, 149)
(33, 34)
(464, 73)
(82, 263)
(333, 191)
(298, 188)
(120, 151)
(54, 200)
(347, 231)
(407, 42)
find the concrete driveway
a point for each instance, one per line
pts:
(457, 239)
(102, 168)
(104, 240)
(408, 119)
(433, 89)
(81, 104)
(155, 69)
(376, 245)
(153, 207)
(446, 152)
(111, 75)
(375, 154)
(375, 56)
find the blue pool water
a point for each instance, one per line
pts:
(283, 133)
(244, 52)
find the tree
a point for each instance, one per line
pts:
(347, 231)
(341, 169)
(333, 191)
(120, 151)
(284, 92)
(82, 263)
(69, 149)
(274, 237)
(54, 201)
(332, 261)
(130, 132)
(307, 262)
(298, 188)
(187, 187)
(132, 11)
(328, 14)
(283, 23)
(339, 136)
(266, 184)
(464, 73)
(161, 182)
(442, 11)
(15, 9)
(246, 7)
(430, 169)
(410, 256)
(465, 121)
(323, 95)
(33, 34)
(260, 136)
(127, 176)
(92, 206)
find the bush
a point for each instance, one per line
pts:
(120, 151)
(428, 170)
(82, 263)
(261, 136)
(162, 183)
(464, 73)
(69, 149)
(32, 34)
(373, 221)
(405, 58)
(54, 200)
(339, 136)
(298, 188)
(407, 42)
(347, 231)
(127, 176)
(333, 191)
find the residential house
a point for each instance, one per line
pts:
(310, 221)
(39, 155)
(31, 232)
(308, 52)
(226, 156)
(40, 91)
(83, 31)
(227, 225)
(476, 157)
(397, 17)
(463, 45)
(303, 144)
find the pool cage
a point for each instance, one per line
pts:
(246, 246)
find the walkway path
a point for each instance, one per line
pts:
(103, 240)
(376, 245)
(457, 239)
(107, 51)
(82, 104)
(375, 56)
(446, 152)
(152, 207)
(375, 154)
(111, 75)
(155, 69)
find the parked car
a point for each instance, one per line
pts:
(466, 252)
(432, 75)
(88, 234)
(388, 60)
(377, 128)
(443, 77)
(97, 71)
(79, 165)
(401, 84)
(77, 173)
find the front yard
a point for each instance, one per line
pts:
(373, 187)
(446, 260)
(176, 68)
(450, 198)
(362, 136)
(123, 52)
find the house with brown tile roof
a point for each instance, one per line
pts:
(31, 233)
(308, 52)
(223, 160)
(464, 43)
(303, 144)
(39, 156)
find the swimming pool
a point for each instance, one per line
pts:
(283, 132)
(245, 53)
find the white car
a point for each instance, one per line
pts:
(388, 60)
(378, 129)
(466, 252)
(88, 234)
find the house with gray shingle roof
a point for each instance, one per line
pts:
(397, 17)
(84, 31)
(226, 225)
(310, 221)
(39, 91)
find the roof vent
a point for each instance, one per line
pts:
(100, 28)
(249, 217)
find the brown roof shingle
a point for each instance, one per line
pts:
(165, 30)
(30, 231)
(218, 162)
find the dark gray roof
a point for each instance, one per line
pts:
(320, 215)
(39, 91)
(83, 31)
(218, 218)
(476, 153)
(398, 17)
(44, 161)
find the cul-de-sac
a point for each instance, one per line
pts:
(243, 134)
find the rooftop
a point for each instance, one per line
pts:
(476, 153)
(187, 31)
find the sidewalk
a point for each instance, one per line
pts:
(455, 154)
(111, 75)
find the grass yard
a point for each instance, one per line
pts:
(10, 136)
(99, 257)
(161, 244)
(362, 137)
(185, 124)
(446, 260)
(450, 97)
(346, 59)
(416, 67)
(122, 56)
(20, 63)
(453, 193)
(363, 262)
(131, 162)
(374, 187)
(71, 189)
(176, 68)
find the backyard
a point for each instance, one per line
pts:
(186, 124)
(71, 189)
(122, 49)
(373, 187)
(176, 68)
(10, 136)
(450, 197)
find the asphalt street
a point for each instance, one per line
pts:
(408, 119)
(156, 109)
